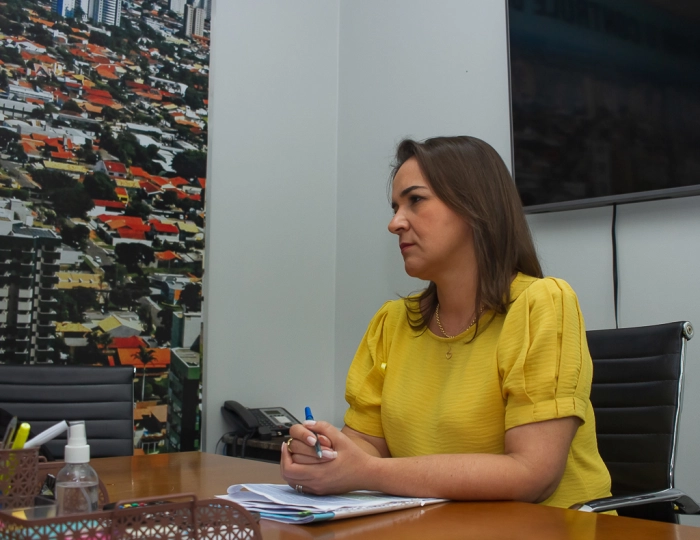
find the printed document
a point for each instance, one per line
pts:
(279, 502)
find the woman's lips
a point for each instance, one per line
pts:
(404, 246)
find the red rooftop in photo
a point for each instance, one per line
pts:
(163, 227)
(110, 204)
(115, 167)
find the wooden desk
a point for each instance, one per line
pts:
(208, 475)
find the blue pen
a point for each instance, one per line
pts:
(310, 416)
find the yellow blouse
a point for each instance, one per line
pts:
(528, 365)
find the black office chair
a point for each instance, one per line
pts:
(636, 396)
(102, 396)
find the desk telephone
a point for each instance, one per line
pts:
(261, 423)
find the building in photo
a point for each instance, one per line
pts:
(107, 12)
(28, 265)
(194, 21)
(64, 8)
(184, 410)
(177, 6)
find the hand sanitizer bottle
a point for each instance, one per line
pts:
(77, 486)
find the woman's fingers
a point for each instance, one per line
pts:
(287, 468)
(301, 433)
(285, 460)
(306, 434)
(303, 459)
(322, 429)
(299, 449)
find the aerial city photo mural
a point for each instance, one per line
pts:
(103, 151)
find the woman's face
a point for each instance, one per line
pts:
(434, 240)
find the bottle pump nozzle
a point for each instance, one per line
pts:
(77, 450)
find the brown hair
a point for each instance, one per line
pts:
(470, 177)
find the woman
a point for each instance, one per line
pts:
(478, 388)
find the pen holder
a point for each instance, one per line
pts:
(18, 474)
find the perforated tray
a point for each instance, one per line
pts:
(175, 516)
(190, 519)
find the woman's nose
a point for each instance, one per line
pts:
(397, 223)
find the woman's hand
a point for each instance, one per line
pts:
(303, 445)
(348, 470)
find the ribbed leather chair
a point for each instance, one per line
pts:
(636, 396)
(102, 396)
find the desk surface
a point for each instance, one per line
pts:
(208, 475)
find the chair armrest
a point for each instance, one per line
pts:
(684, 504)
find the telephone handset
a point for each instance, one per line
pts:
(242, 417)
(261, 423)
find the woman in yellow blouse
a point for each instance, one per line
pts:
(477, 388)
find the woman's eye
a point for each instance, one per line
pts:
(415, 198)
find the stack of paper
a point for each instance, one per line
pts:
(281, 503)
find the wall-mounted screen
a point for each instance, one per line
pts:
(605, 100)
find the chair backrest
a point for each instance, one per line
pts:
(636, 396)
(102, 396)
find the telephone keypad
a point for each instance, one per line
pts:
(265, 418)
(262, 419)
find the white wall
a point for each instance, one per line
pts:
(658, 257)
(659, 247)
(278, 116)
(271, 208)
(577, 246)
(407, 68)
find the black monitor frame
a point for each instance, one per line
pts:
(586, 202)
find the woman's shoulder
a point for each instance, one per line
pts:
(546, 306)
(391, 310)
(545, 298)
(387, 319)
(531, 289)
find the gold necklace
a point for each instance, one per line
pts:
(448, 354)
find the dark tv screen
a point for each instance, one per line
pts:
(605, 99)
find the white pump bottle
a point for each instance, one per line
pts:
(77, 485)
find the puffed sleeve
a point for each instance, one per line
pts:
(543, 357)
(363, 388)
